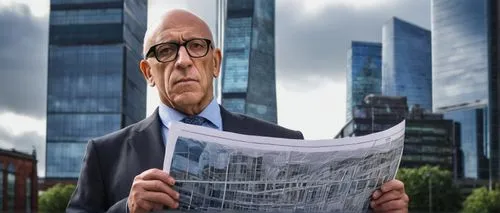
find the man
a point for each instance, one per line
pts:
(121, 171)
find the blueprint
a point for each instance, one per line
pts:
(218, 171)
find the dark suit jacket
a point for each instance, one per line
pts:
(111, 162)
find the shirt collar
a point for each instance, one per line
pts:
(211, 113)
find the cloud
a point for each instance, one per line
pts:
(315, 43)
(23, 59)
(25, 143)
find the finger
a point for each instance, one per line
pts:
(144, 205)
(158, 186)
(156, 174)
(157, 206)
(386, 197)
(376, 194)
(160, 198)
(394, 205)
(392, 185)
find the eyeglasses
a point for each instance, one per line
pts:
(168, 51)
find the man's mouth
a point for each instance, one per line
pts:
(186, 80)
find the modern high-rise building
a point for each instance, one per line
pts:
(220, 20)
(466, 86)
(364, 73)
(406, 62)
(429, 138)
(248, 74)
(94, 83)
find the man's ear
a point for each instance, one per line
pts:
(217, 62)
(146, 72)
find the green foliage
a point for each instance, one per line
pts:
(56, 198)
(482, 201)
(446, 195)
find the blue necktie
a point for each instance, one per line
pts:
(195, 120)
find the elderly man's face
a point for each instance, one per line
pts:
(184, 82)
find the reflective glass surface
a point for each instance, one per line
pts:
(95, 86)
(364, 70)
(235, 105)
(249, 61)
(11, 187)
(96, 16)
(406, 66)
(64, 159)
(236, 53)
(460, 52)
(473, 146)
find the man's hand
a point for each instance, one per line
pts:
(391, 197)
(151, 190)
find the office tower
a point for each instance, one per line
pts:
(429, 138)
(248, 74)
(94, 83)
(465, 78)
(406, 62)
(220, 19)
(364, 73)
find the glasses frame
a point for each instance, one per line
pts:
(152, 49)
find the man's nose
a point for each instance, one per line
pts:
(183, 59)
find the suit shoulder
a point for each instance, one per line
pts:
(271, 129)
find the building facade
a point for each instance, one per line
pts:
(220, 20)
(94, 83)
(18, 181)
(429, 138)
(248, 67)
(465, 79)
(406, 62)
(364, 73)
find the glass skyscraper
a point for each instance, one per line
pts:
(248, 74)
(465, 78)
(364, 70)
(94, 83)
(406, 62)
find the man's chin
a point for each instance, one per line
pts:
(187, 99)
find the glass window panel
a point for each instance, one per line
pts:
(28, 194)
(11, 184)
(460, 52)
(85, 78)
(94, 16)
(406, 67)
(234, 105)
(81, 127)
(64, 159)
(236, 54)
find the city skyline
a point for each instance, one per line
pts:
(310, 77)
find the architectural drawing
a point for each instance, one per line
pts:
(225, 172)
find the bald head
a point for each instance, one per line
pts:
(174, 21)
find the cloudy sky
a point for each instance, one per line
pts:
(312, 38)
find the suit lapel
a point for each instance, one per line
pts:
(231, 122)
(148, 143)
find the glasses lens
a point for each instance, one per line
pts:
(166, 52)
(197, 47)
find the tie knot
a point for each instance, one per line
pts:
(194, 120)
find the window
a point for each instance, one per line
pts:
(11, 184)
(28, 194)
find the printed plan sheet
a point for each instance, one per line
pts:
(218, 171)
